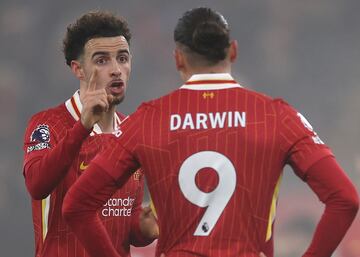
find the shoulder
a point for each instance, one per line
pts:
(52, 119)
(49, 114)
(283, 107)
(258, 95)
(277, 103)
(160, 102)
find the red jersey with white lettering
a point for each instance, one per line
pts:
(54, 143)
(213, 154)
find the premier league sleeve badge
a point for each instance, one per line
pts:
(41, 136)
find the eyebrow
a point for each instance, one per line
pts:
(107, 53)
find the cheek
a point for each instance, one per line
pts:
(127, 70)
(102, 79)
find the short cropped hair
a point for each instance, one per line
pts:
(205, 32)
(92, 25)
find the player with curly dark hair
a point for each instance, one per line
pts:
(60, 142)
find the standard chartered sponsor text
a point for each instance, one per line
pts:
(116, 207)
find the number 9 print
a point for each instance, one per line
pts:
(216, 200)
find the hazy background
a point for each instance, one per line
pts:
(306, 51)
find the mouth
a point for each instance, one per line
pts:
(116, 87)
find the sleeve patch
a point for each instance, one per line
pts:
(41, 134)
(37, 147)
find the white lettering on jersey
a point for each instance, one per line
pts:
(116, 207)
(240, 118)
(207, 120)
(307, 125)
(188, 122)
(175, 121)
(201, 119)
(216, 120)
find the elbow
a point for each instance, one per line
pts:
(37, 188)
(36, 191)
(349, 200)
(354, 204)
(38, 196)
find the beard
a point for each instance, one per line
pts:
(117, 99)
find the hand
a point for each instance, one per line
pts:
(148, 224)
(96, 103)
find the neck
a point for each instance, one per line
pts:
(186, 75)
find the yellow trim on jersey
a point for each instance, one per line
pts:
(273, 209)
(45, 206)
(152, 207)
(44, 228)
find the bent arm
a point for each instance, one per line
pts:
(46, 168)
(335, 190)
(88, 194)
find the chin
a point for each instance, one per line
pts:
(118, 99)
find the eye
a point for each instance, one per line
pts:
(101, 60)
(123, 58)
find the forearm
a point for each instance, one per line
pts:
(335, 189)
(80, 207)
(329, 233)
(43, 173)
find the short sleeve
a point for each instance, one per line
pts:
(301, 145)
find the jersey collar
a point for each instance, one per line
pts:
(210, 81)
(74, 107)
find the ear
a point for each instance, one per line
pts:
(77, 69)
(233, 50)
(179, 59)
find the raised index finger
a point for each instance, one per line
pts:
(92, 81)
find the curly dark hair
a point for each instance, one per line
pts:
(92, 25)
(205, 32)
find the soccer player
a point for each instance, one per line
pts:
(60, 142)
(213, 153)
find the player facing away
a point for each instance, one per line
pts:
(60, 142)
(213, 153)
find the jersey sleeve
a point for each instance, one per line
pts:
(48, 152)
(79, 209)
(334, 188)
(300, 143)
(106, 173)
(119, 158)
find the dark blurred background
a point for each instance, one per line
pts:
(307, 52)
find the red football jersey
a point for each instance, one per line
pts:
(213, 154)
(53, 237)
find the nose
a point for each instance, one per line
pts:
(115, 69)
